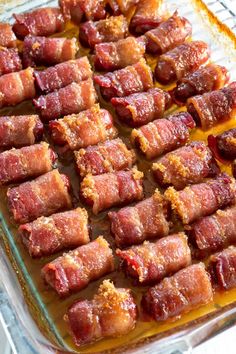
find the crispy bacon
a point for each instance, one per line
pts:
(7, 36)
(216, 231)
(43, 196)
(48, 235)
(40, 22)
(151, 262)
(86, 128)
(111, 313)
(9, 60)
(143, 107)
(126, 5)
(186, 290)
(143, 221)
(48, 51)
(163, 135)
(223, 146)
(72, 98)
(77, 10)
(110, 189)
(29, 161)
(180, 61)
(213, 107)
(208, 78)
(147, 16)
(113, 155)
(124, 82)
(168, 35)
(187, 165)
(117, 55)
(63, 74)
(18, 131)
(222, 267)
(109, 30)
(74, 270)
(202, 199)
(16, 87)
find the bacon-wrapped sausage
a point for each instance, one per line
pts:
(111, 189)
(109, 30)
(9, 60)
(29, 161)
(143, 107)
(208, 78)
(86, 128)
(16, 87)
(70, 99)
(143, 221)
(168, 35)
(117, 55)
(77, 10)
(216, 231)
(187, 165)
(113, 155)
(43, 196)
(76, 269)
(18, 131)
(7, 36)
(48, 51)
(223, 145)
(186, 290)
(180, 61)
(40, 22)
(222, 267)
(48, 235)
(146, 17)
(163, 135)
(63, 74)
(213, 107)
(202, 199)
(124, 82)
(151, 262)
(111, 313)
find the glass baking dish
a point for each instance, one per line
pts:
(25, 314)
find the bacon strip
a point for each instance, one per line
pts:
(163, 135)
(181, 61)
(223, 145)
(77, 10)
(216, 231)
(117, 55)
(29, 161)
(16, 87)
(187, 165)
(73, 98)
(222, 267)
(7, 36)
(40, 22)
(151, 262)
(48, 51)
(142, 108)
(18, 131)
(147, 16)
(111, 313)
(110, 189)
(43, 196)
(63, 74)
(146, 220)
(168, 35)
(208, 78)
(202, 199)
(186, 290)
(124, 82)
(48, 235)
(213, 107)
(76, 269)
(109, 30)
(126, 5)
(113, 155)
(9, 60)
(86, 128)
